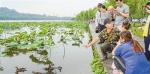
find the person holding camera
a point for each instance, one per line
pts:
(97, 19)
(121, 13)
(110, 35)
(101, 15)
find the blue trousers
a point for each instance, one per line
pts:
(147, 52)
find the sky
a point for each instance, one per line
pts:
(50, 7)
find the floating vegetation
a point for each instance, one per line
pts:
(97, 64)
(38, 37)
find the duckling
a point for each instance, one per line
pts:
(59, 68)
(52, 68)
(36, 72)
(47, 68)
(16, 72)
(20, 69)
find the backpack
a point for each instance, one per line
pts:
(119, 63)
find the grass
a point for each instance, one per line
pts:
(138, 32)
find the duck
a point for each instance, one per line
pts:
(20, 69)
(16, 72)
(59, 68)
(49, 68)
(52, 68)
(36, 72)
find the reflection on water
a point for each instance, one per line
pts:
(67, 57)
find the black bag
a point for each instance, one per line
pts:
(119, 63)
(96, 31)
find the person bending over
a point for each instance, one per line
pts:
(110, 40)
(132, 53)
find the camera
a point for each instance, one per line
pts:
(96, 31)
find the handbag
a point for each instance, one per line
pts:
(119, 63)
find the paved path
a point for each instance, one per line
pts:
(107, 63)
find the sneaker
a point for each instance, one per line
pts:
(115, 71)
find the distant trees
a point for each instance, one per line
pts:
(86, 15)
(11, 14)
(137, 9)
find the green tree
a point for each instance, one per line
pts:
(137, 9)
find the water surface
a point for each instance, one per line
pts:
(72, 59)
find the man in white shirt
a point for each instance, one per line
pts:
(97, 19)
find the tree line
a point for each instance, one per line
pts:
(11, 14)
(137, 10)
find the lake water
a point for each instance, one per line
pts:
(72, 59)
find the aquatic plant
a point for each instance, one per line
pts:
(97, 64)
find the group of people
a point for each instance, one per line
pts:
(115, 38)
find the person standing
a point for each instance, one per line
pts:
(111, 11)
(104, 14)
(121, 13)
(146, 33)
(101, 16)
(97, 19)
